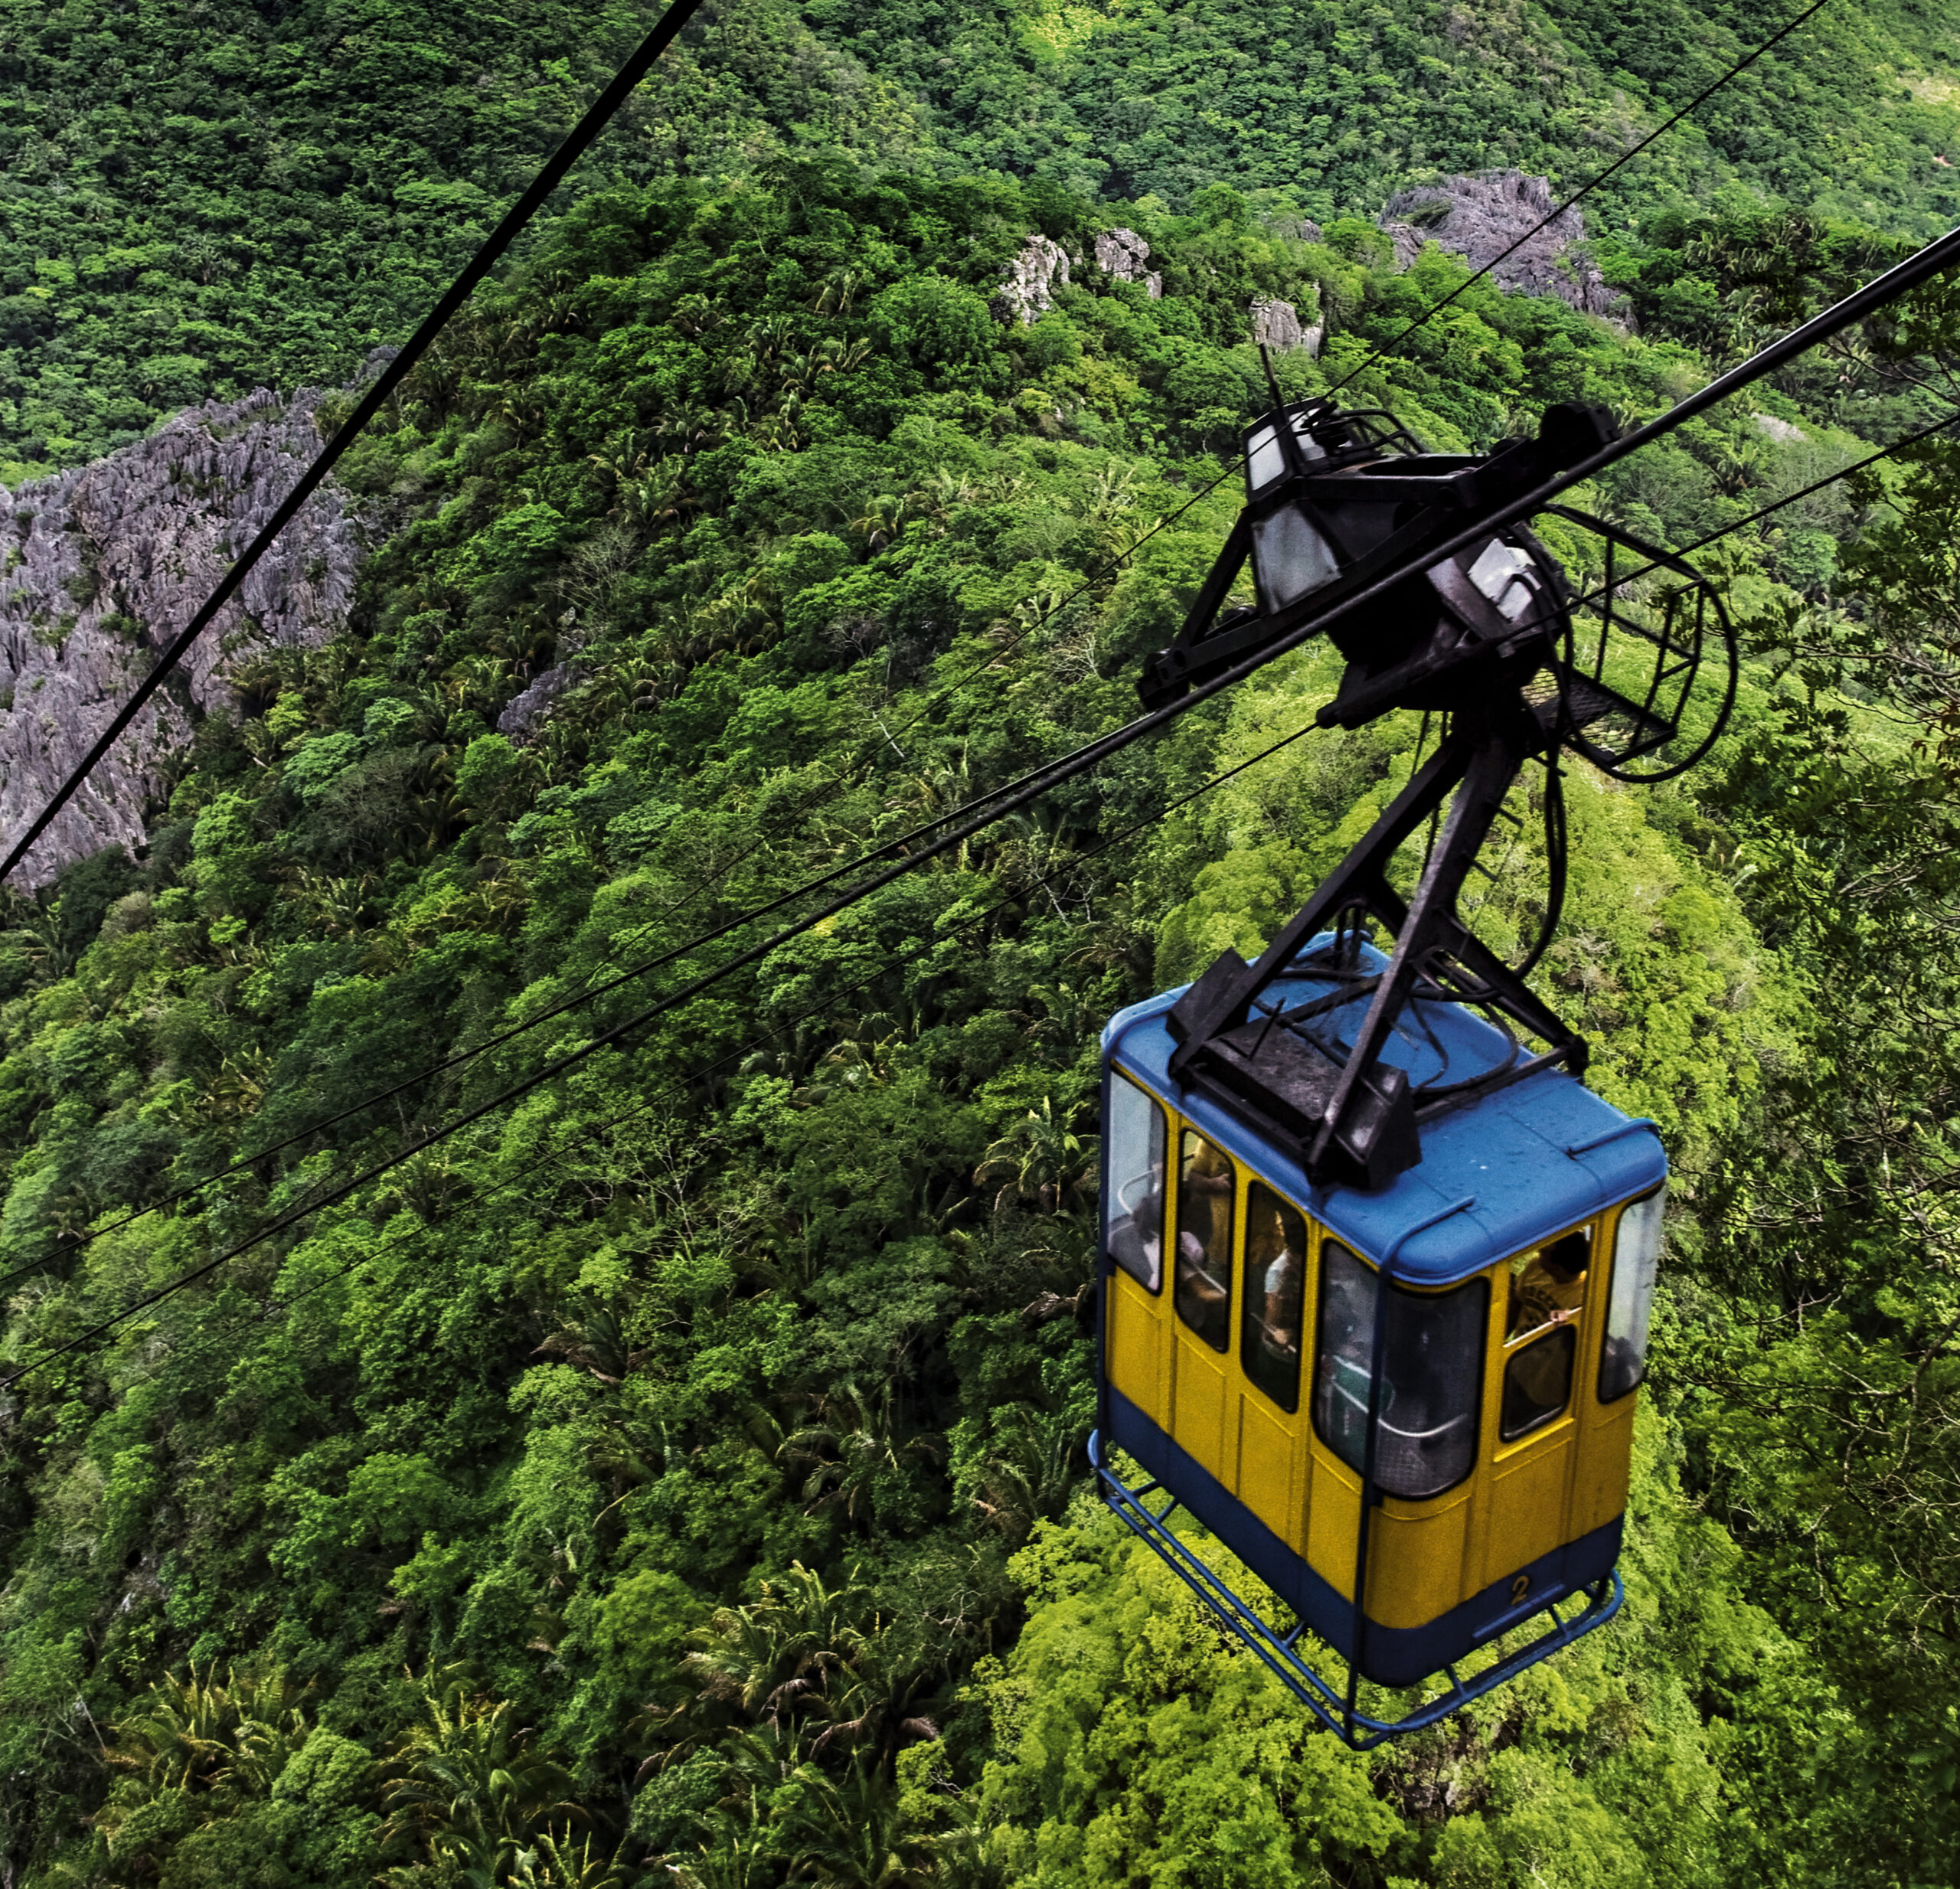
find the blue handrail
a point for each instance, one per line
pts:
(1639, 1122)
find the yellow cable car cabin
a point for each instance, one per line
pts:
(1243, 1354)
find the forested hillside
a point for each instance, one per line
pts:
(678, 1476)
(204, 199)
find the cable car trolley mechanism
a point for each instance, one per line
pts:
(1376, 1265)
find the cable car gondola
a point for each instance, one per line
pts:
(1376, 1264)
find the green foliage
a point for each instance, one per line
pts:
(1134, 1744)
(706, 1431)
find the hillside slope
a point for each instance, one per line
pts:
(674, 1477)
(203, 200)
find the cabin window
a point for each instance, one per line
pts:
(1433, 1369)
(1276, 1292)
(1134, 1213)
(1630, 1303)
(1548, 1286)
(1537, 1382)
(1205, 1186)
(1547, 1294)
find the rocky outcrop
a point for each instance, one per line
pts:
(1029, 289)
(101, 567)
(1124, 255)
(1276, 325)
(521, 712)
(1478, 217)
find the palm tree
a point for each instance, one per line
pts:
(469, 1789)
(855, 1837)
(553, 1862)
(1031, 1470)
(854, 1442)
(592, 1336)
(775, 1657)
(1040, 1159)
(882, 518)
(215, 1742)
(195, 1732)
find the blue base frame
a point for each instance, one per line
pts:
(1334, 1707)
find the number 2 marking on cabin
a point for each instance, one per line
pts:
(1520, 1588)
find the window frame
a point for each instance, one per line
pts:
(1660, 1188)
(1478, 1283)
(1173, 1247)
(1247, 1316)
(1161, 1117)
(1510, 1272)
(1523, 1347)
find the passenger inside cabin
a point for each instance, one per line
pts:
(1205, 1241)
(1547, 1294)
(1551, 1289)
(1283, 1280)
(1276, 1281)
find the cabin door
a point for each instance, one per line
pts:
(1535, 1394)
(1266, 1393)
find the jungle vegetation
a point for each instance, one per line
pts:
(209, 196)
(677, 1477)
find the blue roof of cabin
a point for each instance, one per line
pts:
(1532, 1159)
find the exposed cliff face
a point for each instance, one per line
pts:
(1478, 217)
(1276, 325)
(101, 567)
(1028, 289)
(1126, 255)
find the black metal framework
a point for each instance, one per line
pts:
(1522, 669)
(1664, 603)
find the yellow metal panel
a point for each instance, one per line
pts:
(1199, 1405)
(1136, 1346)
(1265, 1467)
(1528, 1504)
(1604, 1462)
(1478, 1535)
(1333, 1513)
(1416, 1560)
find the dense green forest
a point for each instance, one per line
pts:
(201, 198)
(678, 1477)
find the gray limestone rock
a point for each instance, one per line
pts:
(1276, 325)
(522, 712)
(1029, 289)
(1125, 255)
(101, 567)
(1478, 217)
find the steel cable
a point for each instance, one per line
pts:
(577, 142)
(292, 1216)
(1029, 787)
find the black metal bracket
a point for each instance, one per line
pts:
(1346, 1115)
(1334, 502)
(1376, 500)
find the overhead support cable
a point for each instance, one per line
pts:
(1382, 349)
(1304, 623)
(1029, 787)
(579, 139)
(83, 1340)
